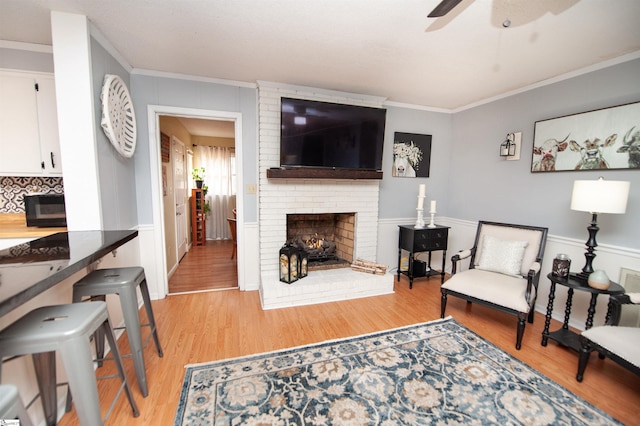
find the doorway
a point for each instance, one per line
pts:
(204, 267)
(165, 206)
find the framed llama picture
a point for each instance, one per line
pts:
(411, 155)
(602, 139)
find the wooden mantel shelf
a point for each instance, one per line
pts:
(321, 173)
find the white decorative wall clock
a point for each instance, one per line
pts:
(118, 117)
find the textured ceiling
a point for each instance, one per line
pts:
(376, 47)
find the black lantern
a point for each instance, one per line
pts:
(303, 262)
(289, 261)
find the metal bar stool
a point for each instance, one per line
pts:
(11, 406)
(123, 282)
(67, 329)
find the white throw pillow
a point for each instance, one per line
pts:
(502, 256)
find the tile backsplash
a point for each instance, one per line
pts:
(13, 189)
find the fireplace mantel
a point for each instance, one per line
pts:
(321, 173)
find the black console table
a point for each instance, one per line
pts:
(422, 240)
(564, 336)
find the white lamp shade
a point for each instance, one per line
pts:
(600, 196)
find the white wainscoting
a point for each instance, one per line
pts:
(461, 236)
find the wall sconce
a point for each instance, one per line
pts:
(510, 148)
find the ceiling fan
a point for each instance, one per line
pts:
(443, 8)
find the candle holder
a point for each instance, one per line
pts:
(420, 219)
(431, 222)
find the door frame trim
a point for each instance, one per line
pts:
(176, 140)
(153, 114)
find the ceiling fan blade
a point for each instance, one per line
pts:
(443, 8)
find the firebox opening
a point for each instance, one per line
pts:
(328, 238)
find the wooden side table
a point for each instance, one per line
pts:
(422, 240)
(564, 336)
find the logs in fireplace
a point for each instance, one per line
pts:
(318, 248)
(328, 238)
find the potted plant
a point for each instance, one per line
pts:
(198, 175)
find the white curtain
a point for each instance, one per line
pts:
(221, 193)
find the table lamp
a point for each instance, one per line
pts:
(597, 196)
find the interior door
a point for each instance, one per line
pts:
(180, 195)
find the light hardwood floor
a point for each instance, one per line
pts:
(203, 327)
(208, 267)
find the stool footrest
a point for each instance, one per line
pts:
(141, 325)
(30, 403)
(136, 412)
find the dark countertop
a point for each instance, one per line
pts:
(29, 269)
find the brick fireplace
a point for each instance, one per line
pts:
(282, 198)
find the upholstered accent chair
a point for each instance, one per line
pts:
(617, 342)
(504, 270)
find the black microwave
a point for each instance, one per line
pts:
(45, 210)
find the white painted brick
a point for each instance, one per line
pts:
(281, 197)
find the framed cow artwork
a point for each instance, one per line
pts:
(607, 138)
(411, 155)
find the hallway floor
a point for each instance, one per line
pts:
(204, 268)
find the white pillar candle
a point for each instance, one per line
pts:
(433, 206)
(420, 203)
(421, 190)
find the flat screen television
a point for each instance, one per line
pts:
(328, 135)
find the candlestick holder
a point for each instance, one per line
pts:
(420, 219)
(431, 222)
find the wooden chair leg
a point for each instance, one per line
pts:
(443, 303)
(582, 362)
(520, 332)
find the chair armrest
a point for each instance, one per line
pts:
(615, 305)
(462, 254)
(633, 298)
(625, 299)
(533, 277)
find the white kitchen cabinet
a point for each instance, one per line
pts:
(29, 139)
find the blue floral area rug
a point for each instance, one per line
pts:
(436, 373)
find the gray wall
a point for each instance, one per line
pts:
(484, 186)
(468, 178)
(398, 196)
(116, 173)
(147, 90)
(26, 60)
